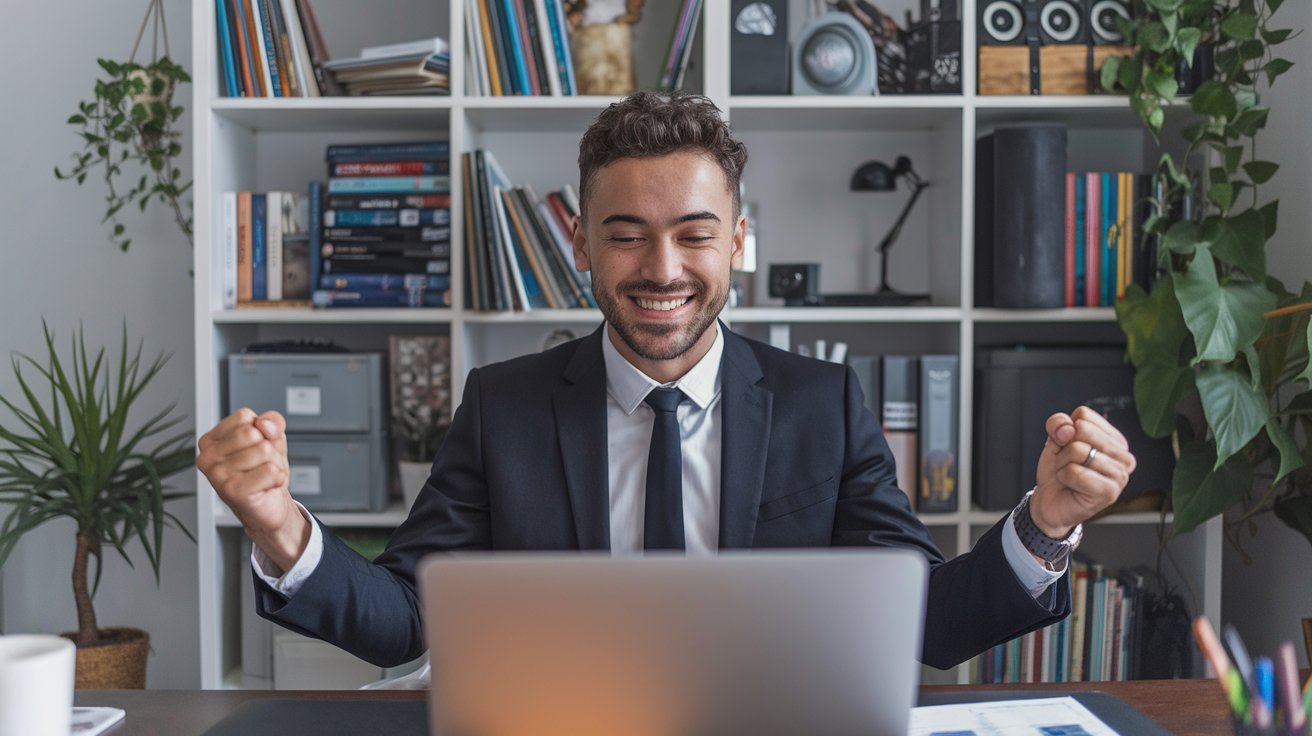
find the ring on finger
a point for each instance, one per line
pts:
(1093, 453)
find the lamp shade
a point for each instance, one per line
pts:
(873, 176)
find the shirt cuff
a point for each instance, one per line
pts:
(292, 580)
(1032, 575)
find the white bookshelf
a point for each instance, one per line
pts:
(802, 152)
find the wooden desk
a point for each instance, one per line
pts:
(1193, 707)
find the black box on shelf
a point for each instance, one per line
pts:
(934, 57)
(1015, 393)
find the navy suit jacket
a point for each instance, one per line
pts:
(524, 467)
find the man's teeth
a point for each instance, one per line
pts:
(661, 306)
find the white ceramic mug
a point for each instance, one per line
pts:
(36, 685)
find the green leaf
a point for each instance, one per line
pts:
(1250, 121)
(1222, 195)
(1235, 410)
(1215, 100)
(1153, 35)
(1165, 6)
(1261, 171)
(1296, 511)
(1275, 68)
(1270, 212)
(1252, 49)
(1198, 492)
(1157, 116)
(1182, 238)
(1186, 41)
(1287, 447)
(1276, 37)
(1128, 72)
(1223, 319)
(1239, 26)
(1274, 5)
(1240, 241)
(1108, 74)
(1306, 374)
(1232, 156)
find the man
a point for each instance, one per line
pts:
(758, 447)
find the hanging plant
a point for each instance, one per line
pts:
(130, 135)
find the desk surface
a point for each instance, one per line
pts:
(1180, 706)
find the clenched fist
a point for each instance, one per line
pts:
(245, 459)
(1085, 465)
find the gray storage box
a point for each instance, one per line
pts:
(335, 406)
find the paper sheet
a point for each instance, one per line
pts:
(91, 721)
(1064, 716)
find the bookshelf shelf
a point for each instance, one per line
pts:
(803, 151)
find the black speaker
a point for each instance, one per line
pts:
(1015, 393)
(1063, 21)
(758, 48)
(1020, 216)
(797, 284)
(1103, 15)
(1002, 23)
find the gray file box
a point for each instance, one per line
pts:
(335, 406)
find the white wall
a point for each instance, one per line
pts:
(1266, 599)
(58, 264)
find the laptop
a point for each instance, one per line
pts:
(762, 643)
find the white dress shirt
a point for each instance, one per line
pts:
(629, 424)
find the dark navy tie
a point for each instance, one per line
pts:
(663, 521)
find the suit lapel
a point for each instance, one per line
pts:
(580, 407)
(744, 437)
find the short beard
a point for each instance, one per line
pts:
(609, 303)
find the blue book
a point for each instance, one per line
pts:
(259, 249)
(1080, 224)
(412, 151)
(383, 281)
(1113, 238)
(373, 298)
(230, 88)
(352, 185)
(560, 44)
(516, 50)
(315, 197)
(270, 55)
(387, 218)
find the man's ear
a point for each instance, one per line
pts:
(581, 261)
(739, 241)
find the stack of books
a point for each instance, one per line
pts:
(266, 244)
(383, 235)
(271, 48)
(518, 249)
(412, 68)
(1105, 247)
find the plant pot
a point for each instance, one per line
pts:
(413, 476)
(118, 662)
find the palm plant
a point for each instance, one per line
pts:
(75, 456)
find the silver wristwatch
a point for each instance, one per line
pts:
(1051, 551)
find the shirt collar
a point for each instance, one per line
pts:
(628, 386)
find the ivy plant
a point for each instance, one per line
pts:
(1219, 346)
(131, 141)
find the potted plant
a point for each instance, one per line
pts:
(1219, 346)
(420, 389)
(72, 453)
(130, 135)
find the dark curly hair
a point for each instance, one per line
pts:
(645, 125)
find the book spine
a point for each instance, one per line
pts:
(244, 270)
(397, 264)
(386, 234)
(388, 168)
(362, 282)
(686, 53)
(229, 283)
(497, 279)
(546, 47)
(539, 252)
(511, 30)
(560, 42)
(436, 184)
(315, 223)
(1127, 234)
(1080, 257)
(1093, 219)
(229, 67)
(405, 298)
(259, 257)
(282, 44)
(314, 52)
(238, 24)
(388, 202)
(276, 83)
(273, 246)
(1070, 240)
(528, 32)
(387, 152)
(1108, 237)
(565, 245)
(939, 404)
(535, 292)
(409, 249)
(901, 418)
(299, 65)
(255, 42)
(496, 69)
(386, 218)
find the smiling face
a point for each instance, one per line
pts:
(661, 239)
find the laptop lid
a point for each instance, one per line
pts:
(763, 643)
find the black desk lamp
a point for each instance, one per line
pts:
(877, 176)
